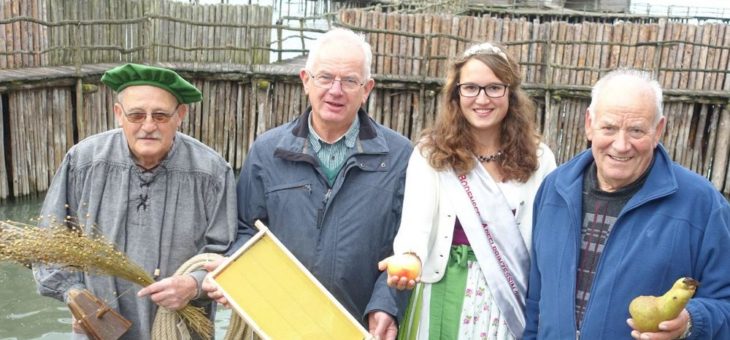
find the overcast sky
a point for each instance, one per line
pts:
(705, 3)
(720, 8)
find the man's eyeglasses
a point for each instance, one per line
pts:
(140, 116)
(491, 90)
(325, 81)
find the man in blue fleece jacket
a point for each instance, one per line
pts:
(622, 220)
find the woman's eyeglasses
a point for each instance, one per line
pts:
(491, 90)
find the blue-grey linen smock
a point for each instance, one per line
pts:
(183, 207)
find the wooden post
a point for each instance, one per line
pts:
(547, 76)
(4, 192)
(279, 40)
(720, 164)
(301, 35)
(80, 104)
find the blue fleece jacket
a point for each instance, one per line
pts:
(676, 225)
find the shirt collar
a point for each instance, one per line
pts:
(350, 136)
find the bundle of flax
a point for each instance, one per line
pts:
(70, 247)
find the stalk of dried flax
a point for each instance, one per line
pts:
(70, 247)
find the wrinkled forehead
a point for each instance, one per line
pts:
(618, 117)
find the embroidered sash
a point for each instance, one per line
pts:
(492, 231)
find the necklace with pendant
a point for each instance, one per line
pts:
(488, 158)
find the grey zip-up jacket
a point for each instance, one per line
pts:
(340, 232)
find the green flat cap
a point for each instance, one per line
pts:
(127, 75)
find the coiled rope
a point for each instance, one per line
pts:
(169, 326)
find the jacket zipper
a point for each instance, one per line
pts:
(325, 201)
(320, 212)
(575, 282)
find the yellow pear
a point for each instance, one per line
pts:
(649, 311)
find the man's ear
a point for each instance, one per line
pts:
(304, 76)
(182, 111)
(118, 113)
(659, 130)
(588, 125)
(369, 85)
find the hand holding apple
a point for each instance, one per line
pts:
(404, 270)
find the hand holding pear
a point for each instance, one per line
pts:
(648, 311)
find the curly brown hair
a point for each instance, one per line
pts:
(449, 143)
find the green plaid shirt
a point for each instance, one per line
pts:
(333, 156)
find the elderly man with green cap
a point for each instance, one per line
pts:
(161, 196)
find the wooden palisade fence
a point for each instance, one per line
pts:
(560, 61)
(38, 33)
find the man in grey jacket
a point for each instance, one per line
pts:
(160, 196)
(330, 184)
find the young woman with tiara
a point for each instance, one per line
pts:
(467, 212)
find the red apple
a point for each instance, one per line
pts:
(404, 265)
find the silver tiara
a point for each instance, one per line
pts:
(484, 48)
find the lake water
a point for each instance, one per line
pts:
(23, 313)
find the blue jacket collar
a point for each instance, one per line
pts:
(660, 182)
(295, 146)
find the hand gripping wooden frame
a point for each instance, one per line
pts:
(96, 318)
(278, 297)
